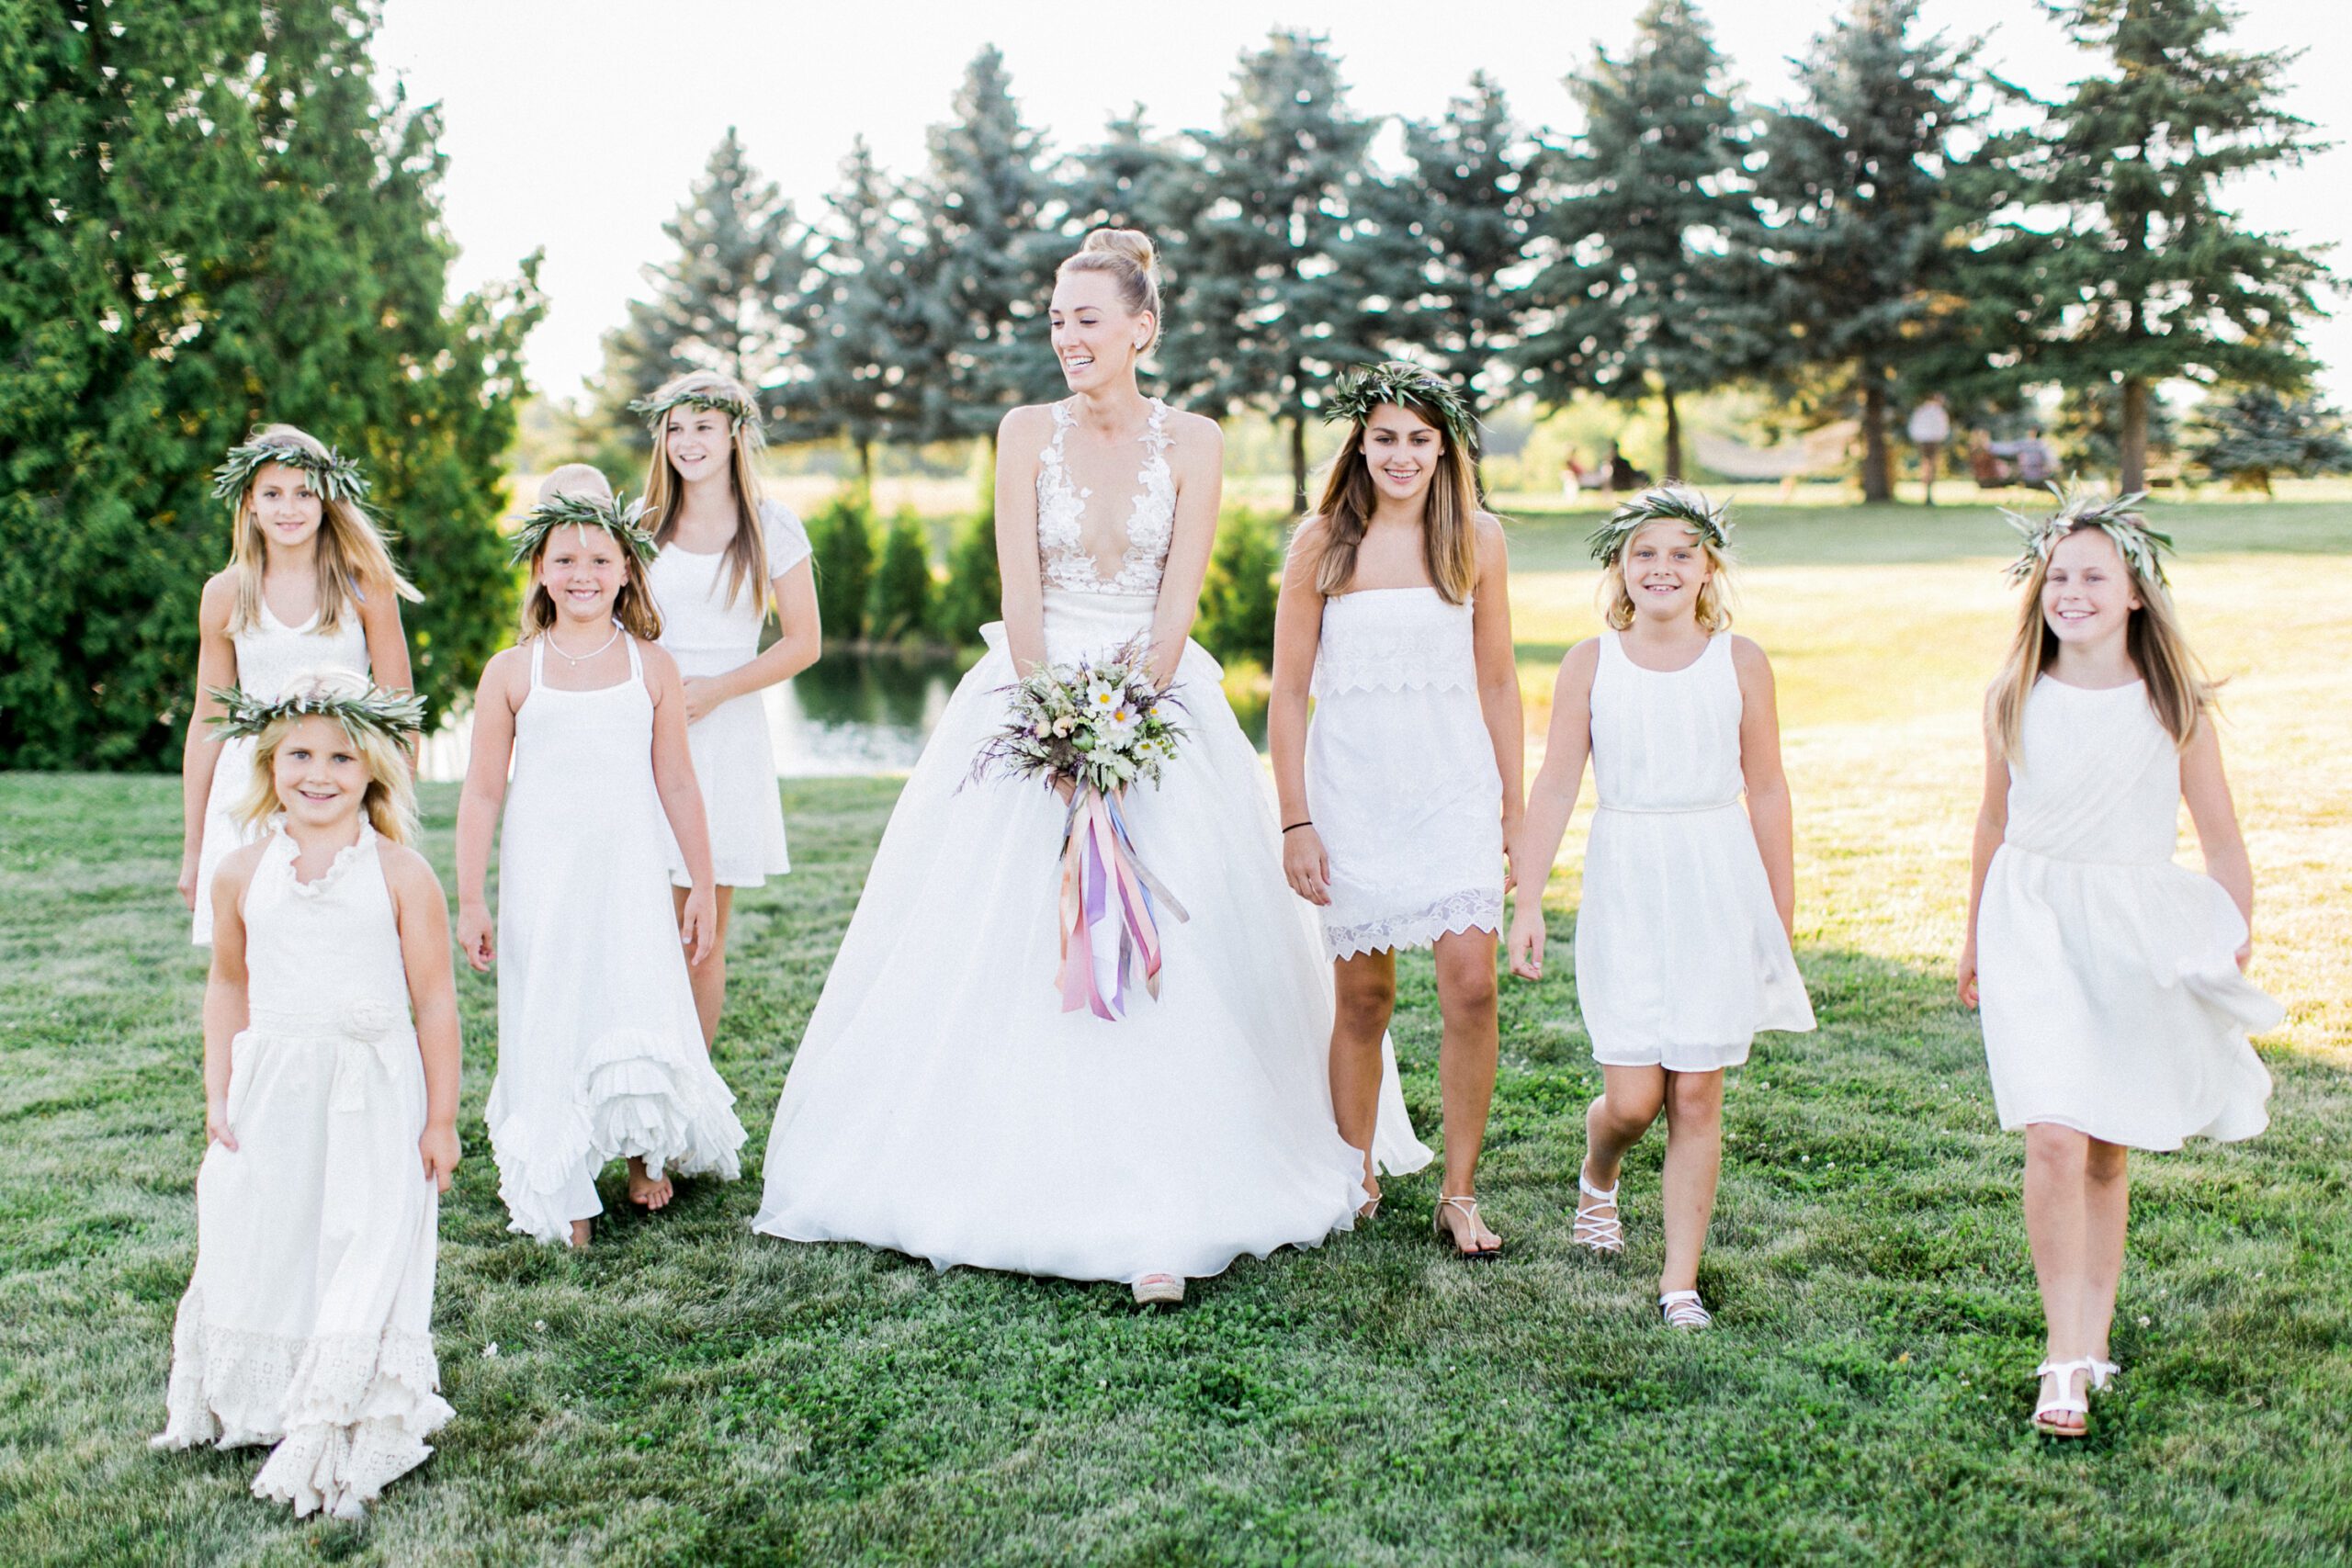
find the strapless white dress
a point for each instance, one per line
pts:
(942, 1104)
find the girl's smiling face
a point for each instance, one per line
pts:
(287, 509)
(321, 774)
(583, 573)
(2086, 594)
(1401, 450)
(1096, 337)
(699, 443)
(1664, 567)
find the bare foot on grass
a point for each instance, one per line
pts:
(581, 1231)
(651, 1193)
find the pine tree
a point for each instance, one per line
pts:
(2252, 436)
(1853, 175)
(862, 338)
(1641, 293)
(1133, 179)
(1274, 304)
(841, 551)
(2156, 277)
(898, 601)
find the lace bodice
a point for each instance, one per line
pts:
(1071, 553)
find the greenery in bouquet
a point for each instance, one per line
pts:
(1097, 723)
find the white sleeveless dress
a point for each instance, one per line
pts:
(269, 654)
(2106, 972)
(734, 758)
(309, 1321)
(1681, 957)
(1401, 781)
(600, 1051)
(942, 1104)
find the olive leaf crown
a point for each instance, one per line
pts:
(388, 714)
(1356, 393)
(1663, 503)
(734, 407)
(580, 512)
(336, 475)
(2117, 516)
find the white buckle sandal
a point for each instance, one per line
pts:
(1683, 1309)
(2066, 1402)
(1601, 1235)
(1158, 1290)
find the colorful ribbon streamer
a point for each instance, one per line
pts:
(1110, 911)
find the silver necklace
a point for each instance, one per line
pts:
(576, 661)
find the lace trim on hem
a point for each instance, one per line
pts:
(233, 1387)
(1478, 908)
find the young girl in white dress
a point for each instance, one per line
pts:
(940, 1103)
(1397, 800)
(599, 1050)
(330, 1108)
(726, 555)
(308, 586)
(2116, 1009)
(1682, 944)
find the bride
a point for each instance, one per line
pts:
(940, 1103)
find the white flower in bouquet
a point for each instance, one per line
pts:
(1118, 726)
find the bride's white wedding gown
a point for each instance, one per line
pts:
(942, 1103)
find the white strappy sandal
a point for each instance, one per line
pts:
(2101, 1372)
(1158, 1290)
(1599, 1234)
(1683, 1309)
(2066, 1402)
(1468, 1208)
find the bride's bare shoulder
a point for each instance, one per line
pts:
(1024, 431)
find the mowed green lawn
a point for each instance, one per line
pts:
(685, 1393)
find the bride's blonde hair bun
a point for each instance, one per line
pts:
(1129, 259)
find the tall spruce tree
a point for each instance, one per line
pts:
(1275, 301)
(1853, 177)
(863, 336)
(1642, 293)
(214, 220)
(2152, 276)
(1134, 179)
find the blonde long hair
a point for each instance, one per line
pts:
(1449, 517)
(2179, 692)
(391, 800)
(352, 560)
(1713, 608)
(665, 493)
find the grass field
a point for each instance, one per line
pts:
(686, 1393)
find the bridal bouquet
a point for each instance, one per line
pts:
(1098, 726)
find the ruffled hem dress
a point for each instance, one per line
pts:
(734, 753)
(599, 1050)
(308, 1322)
(1402, 780)
(1681, 957)
(2106, 972)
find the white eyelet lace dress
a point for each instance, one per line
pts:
(308, 1324)
(942, 1104)
(734, 757)
(600, 1051)
(1681, 957)
(2107, 972)
(269, 654)
(1402, 780)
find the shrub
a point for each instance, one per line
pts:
(1237, 619)
(841, 548)
(974, 593)
(898, 605)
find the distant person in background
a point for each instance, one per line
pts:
(2036, 465)
(1930, 427)
(1622, 473)
(1986, 466)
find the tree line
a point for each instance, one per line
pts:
(1906, 222)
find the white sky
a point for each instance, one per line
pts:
(579, 125)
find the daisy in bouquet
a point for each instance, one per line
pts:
(1096, 728)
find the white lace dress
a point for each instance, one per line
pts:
(2107, 973)
(942, 1104)
(734, 757)
(1401, 781)
(269, 654)
(600, 1051)
(308, 1324)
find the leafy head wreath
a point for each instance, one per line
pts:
(2117, 516)
(1355, 394)
(336, 475)
(746, 417)
(580, 512)
(1664, 504)
(388, 714)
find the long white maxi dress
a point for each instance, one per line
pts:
(269, 654)
(308, 1324)
(2106, 971)
(600, 1051)
(942, 1104)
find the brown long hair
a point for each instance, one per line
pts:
(2179, 692)
(665, 493)
(1449, 517)
(351, 557)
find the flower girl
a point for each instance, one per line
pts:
(725, 555)
(1395, 801)
(308, 586)
(600, 1051)
(331, 1119)
(1682, 947)
(2115, 1011)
